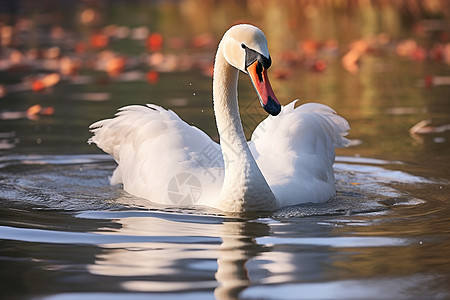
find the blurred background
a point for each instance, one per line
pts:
(383, 65)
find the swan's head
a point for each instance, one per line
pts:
(245, 48)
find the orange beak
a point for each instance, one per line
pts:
(258, 76)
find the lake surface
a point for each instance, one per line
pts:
(65, 233)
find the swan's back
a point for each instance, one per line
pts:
(295, 152)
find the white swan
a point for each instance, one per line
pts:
(288, 160)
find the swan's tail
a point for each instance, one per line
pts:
(154, 148)
(124, 136)
(132, 125)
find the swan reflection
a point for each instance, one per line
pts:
(181, 256)
(197, 255)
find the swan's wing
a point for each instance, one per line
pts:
(295, 152)
(159, 156)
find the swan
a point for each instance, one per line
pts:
(288, 161)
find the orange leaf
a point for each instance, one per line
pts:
(152, 77)
(154, 42)
(34, 110)
(37, 85)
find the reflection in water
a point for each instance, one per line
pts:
(155, 266)
(237, 249)
(234, 257)
(403, 288)
(306, 257)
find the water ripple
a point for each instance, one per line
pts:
(335, 242)
(63, 237)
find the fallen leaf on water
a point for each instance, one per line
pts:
(319, 65)
(37, 85)
(115, 66)
(2, 91)
(44, 82)
(51, 79)
(47, 111)
(99, 40)
(69, 65)
(406, 47)
(6, 34)
(424, 127)
(88, 16)
(350, 61)
(154, 42)
(152, 77)
(52, 52)
(34, 110)
(309, 47)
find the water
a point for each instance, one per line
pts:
(65, 233)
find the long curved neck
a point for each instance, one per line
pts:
(244, 186)
(226, 109)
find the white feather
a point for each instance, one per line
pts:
(152, 146)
